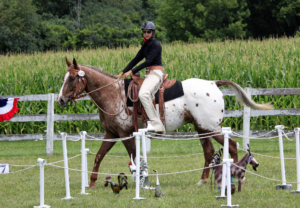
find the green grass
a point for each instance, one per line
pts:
(271, 63)
(22, 189)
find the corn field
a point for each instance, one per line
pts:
(271, 63)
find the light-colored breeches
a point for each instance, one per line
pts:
(146, 96)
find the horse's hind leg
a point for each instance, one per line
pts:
(130, 147)
(105, 147)
(208, 150)
(232, 146)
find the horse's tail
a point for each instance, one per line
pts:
(242, 96)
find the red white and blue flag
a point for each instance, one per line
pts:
(8, 108)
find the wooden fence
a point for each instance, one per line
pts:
(50, 117)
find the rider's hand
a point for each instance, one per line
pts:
(127, 74)
(119, 75)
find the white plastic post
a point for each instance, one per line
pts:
(66, 167)
(41, 162)
(83, 161)
(148, 145)
(284, 185)
(137, 161)
(225, 131)
(86, 169)
(297, 130)
(228, 170)
(144, 146)
(150, 128)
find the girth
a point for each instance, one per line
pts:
(138, 108)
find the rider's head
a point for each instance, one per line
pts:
(148, 29)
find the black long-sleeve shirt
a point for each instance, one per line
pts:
(151, 50)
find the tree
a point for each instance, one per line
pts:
(205, 19)
(273, 17)
(18, 22)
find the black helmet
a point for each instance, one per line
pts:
(148, 25)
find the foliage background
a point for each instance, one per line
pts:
(33, 25)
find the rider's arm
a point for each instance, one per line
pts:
(134, 61)
(155, 49)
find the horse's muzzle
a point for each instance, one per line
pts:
(62, 102)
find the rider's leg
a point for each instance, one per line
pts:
(146, 95)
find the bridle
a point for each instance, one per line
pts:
(81, 78)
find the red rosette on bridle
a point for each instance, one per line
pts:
(8, 108)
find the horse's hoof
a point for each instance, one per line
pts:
(201, 182)
(244, 180)
(92, 185)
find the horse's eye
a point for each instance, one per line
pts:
(72, 78)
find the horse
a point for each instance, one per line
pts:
(202, 105)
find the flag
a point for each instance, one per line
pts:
(8, 107)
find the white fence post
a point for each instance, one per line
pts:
(284, 185)
(137, 162)
(50, 124)
(246, 122)
(66, 166)
(41, 162)
(297, 130)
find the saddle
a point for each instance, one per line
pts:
(138, 108)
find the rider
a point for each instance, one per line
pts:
(151, 51)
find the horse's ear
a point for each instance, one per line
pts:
(248, 148)
(220, 151)
(75, 64)
(68, 62)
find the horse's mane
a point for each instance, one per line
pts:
(100, 71)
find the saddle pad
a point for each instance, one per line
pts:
(172, 93)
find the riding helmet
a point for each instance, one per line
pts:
(148, 25)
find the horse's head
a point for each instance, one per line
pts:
(74, 84)
(251, 160)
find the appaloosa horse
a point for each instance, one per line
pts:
(202, 105)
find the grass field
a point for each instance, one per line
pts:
(271, 63)
(22, 189)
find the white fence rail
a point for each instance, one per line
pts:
(50, 117)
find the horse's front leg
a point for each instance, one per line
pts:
(240, 184)
(208, 150)
(105, 147)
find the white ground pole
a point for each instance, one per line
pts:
(86, 169)
(284, 185)
(42, 163)
(83, 163)
(297, 130)
(66, 167)
(137, 163)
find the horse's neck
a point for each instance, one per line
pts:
(103, 89)
(243, 161)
